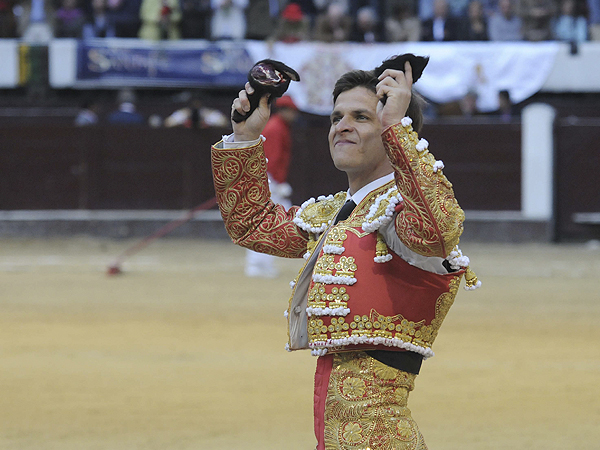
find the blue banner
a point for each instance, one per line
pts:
(101, 64)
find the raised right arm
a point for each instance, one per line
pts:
(251, 219)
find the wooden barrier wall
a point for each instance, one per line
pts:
(64, 167)
(56, 166)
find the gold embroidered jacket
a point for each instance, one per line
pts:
(427, 219)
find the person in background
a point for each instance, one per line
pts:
(366, 26)
(334, 25)
(126, 113)
(125, 16)
(69, 20)
(402, 25)
(537, 18)
(593, 7)
(278, 151)
(98, 25)
(458, 8)
(505, 25)
(36, 24)
(195, 19)
(571, 25)
(8, 22)
(505, 109)
(196, 115)
(293, 25)
(228, 20)
(442, 27)
(476, 23)
(160, 20)
(88, 114)
(468, 104)
(263, 18)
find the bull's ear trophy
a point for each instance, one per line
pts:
(417, 63)
(267, 77)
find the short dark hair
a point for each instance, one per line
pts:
(366, 79)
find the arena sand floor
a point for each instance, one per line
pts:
(183, 352)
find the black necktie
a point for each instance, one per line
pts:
(345, 211)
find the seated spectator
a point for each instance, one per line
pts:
(195, 19)
(333, 25)
(197, 116)
(571, 24)
(125, 16)
(160, 20)
(126, 113)
(403, 25)
(99, 25)
(476, 24)
(366, 28)
(537, 18)
(228, 20)
(262, 19)
(505, 25)
(37, 23)
(69, 20)
(293, 26)
(458, 8)
(425, 10)
(442, 27)
(593, 7)
(8, 22)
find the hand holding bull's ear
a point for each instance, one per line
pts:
(266, 77)
(417, 65)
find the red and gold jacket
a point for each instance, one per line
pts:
(353, 292)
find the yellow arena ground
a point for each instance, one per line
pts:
(183, 352)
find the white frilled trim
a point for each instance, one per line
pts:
(472, 288)
(318, 351)
(369, 226)
(306, 256)
(457, 260)
(285, 314)
(438, 165)
(287, 348)
(333, 249)
(383, 259)
(327, 311)
(406, 121)
(357, 340)
(306, 226)
(333, 279)
(292, 284)
(422, 145)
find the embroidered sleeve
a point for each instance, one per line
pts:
(251, 219)
(431, 221)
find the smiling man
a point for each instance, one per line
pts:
(382, 263)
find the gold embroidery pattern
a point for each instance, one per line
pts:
(345, 267)
(431, 221)
(325, 265)
(395, 330)
(318, 214)
(335, 238)
(366, 406)
(318, 298)
(250, 217)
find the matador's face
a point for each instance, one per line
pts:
(355, 134)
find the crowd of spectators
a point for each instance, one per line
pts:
(304, 20)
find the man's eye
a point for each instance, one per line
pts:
(335, 120)
(361, 117)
